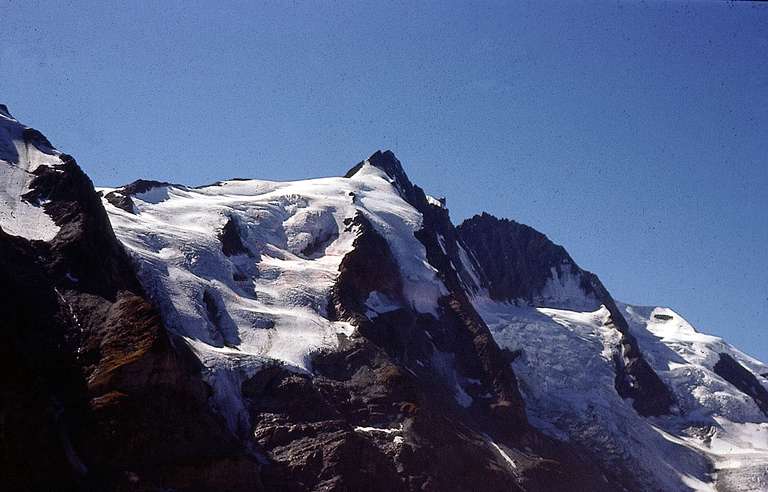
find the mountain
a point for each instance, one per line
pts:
(95, 391)
(336, 334)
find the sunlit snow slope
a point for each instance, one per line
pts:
(717, 434)
(22, 151)
(716, 418)
(243, 269)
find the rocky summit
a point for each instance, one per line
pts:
(337, 334)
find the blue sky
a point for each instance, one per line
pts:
(635, 134)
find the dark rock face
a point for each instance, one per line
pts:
(34, 137)
(446, 445)
(121, 201)
(635, 378)
(231, 242)
(95, 394)
(517, 262)
(736, 374)
(142, 186)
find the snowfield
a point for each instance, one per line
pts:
(266, 304)
(715, 418)
(18, 160)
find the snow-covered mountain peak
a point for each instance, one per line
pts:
(243, 268)
(280, 333)
(388, 163)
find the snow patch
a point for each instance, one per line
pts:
(436, 202)
(501, 452)
(18, 161)
(154, 195)
(378, 429)
(395, 432)
(563, 289)
(469, 267)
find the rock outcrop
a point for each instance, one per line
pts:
(522, 265)
(95, 393)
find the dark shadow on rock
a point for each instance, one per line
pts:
(38, 140)
(743, 379)
(232, 241)
(225, 326)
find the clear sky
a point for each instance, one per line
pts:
(635, 134)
